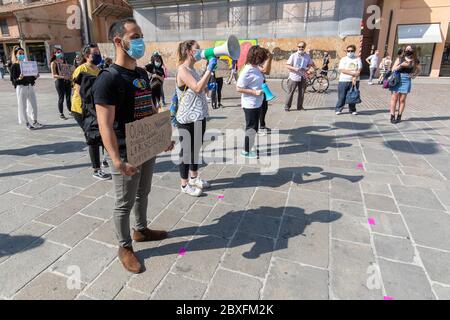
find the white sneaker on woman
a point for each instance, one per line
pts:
(199, 183)
(191, 190)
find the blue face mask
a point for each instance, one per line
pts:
(137, 48)
(21, 57)
(96, 58)
(351, 55)
(59, 55)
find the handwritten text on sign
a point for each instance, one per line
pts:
(148, 137)
(28, 68)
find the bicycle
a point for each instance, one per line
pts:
(317, 82)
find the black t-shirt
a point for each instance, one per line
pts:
(152, 69)
(135, 104)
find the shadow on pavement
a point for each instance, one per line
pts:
(10, 245)
(224, 228)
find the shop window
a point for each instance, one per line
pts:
(4, 28)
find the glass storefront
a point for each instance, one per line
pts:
(36, 52)
(445, 64)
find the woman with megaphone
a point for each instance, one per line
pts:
(191, 114)
(250, 85)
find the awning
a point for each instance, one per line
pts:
(109, 9)
(419, 33)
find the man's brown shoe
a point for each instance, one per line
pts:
(129, 260)
(149, 235)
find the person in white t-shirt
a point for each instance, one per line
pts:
(250, 84)
(373, 62)
(298, 65)
(350, 68)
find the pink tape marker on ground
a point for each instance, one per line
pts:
(388, 298)
(220, 197)
(360, 166)
(182, 252)
(371, 221)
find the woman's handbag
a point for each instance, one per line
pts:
(394, 79)
(353, 96)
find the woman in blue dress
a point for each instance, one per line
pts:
(408, 66)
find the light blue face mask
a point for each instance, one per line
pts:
(351, 55)
(21, 57)
(137, 48)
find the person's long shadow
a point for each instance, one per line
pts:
(45, 149)
(10, 245)
(285, 175)
(207, 236)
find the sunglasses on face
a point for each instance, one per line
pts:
(301, 47)
(350, 51)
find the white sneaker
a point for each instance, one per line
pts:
(37, 125)
(199, 183)
(338, 113)
(355, 113)
(262, 133)
(191, 190)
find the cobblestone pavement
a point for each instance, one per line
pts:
(359, 209)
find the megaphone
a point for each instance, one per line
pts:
(230, 48)
(267, 92)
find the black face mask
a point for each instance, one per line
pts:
(409, 53)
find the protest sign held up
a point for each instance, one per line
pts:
(148, 137)
(28, 68)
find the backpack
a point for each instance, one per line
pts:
(89, 115)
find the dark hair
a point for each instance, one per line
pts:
(414, 56)
(257, 55)
(183, 48)
(153, 59)
(53, 57)
(87, 50)
(117, 29)
(352, 46)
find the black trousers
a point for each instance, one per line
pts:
(94, 150)
(219, 89)
(264, 108)
(64, 89)
(252, 117)
(191, 140)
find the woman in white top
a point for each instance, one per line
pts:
(191, 115)
(249, 85)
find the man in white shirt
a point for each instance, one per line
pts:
(298, 64)
(350, 68)
(373, 62)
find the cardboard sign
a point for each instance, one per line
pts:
(148, 137)
(28, 68)
(65, 70)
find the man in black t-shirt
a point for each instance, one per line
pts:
(132, 185)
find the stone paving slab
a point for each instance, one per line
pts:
(352, 196)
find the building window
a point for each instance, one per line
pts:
(4, 28)
(321, 10)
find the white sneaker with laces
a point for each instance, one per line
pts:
(191, 190)
(37, 125)
(355, 113)
(101, 175)
(199, 183)
(338, 113)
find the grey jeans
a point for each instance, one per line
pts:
(373, 71)
(293, 85)
(131, 194)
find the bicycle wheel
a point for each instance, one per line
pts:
(309, 85)
(285, 84)
(320, 84)
(332, 75)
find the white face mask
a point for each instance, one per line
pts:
(351, 55)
